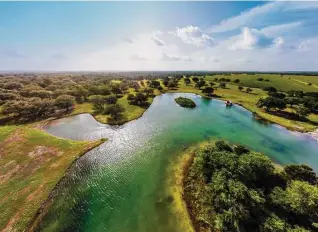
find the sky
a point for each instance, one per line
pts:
(154, 36)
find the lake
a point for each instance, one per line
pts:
(120, 185)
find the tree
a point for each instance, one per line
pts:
(154, 84)
(240, 88)
(273, 224)
(195, 79)
(301, 172)
(172, 84)
(236, 81)
(223, 146)
(292, 101)
(222, 85)
(148, 91)
(98, 102)
(239, 150)
(141, 99)
(131, 97)
(187, 80)
(115, 88)
(64, 101)
(208, 91)
(248, 90)
(302, 111)
(271, 103)
(200, 84)
(111, 99)
(115, 111)
(270, 89)
(13, 85)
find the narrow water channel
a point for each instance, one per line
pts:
(120, 186)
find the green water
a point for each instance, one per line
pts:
(120, 186)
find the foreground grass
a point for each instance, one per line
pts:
(31, 164)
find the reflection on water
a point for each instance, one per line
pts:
(119, 186)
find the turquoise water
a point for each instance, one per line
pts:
(120, 185)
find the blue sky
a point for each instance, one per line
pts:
(101, 36)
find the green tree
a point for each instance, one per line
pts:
(248, 90)
(98, 102)
(208, 91)
(302, 111)
(301, 172)
(111, 99)
(115, 111)
(64, 101)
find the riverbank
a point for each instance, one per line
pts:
(33, 162)
(231, 92)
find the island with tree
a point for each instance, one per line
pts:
(185, 102)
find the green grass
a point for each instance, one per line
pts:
(283, 83)
(32, 162)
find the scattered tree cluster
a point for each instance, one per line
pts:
(304, 103)
(229, 188)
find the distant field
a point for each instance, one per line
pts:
(283, 83)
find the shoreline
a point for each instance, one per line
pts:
(313, 134)
(47, 203)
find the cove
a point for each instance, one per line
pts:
(121, 185)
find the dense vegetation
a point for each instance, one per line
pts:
(185, 102)
(229, 188)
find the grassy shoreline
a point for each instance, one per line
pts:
(33, 164)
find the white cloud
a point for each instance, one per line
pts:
(155, 38)
(277, 30)
(244, 18)
(194, 36)
(129, 40)
(158, 41)
(138, 57)
(252, 38)
(166, 57)
(259, 13)
(309, 44)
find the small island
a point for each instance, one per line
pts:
(185, 102)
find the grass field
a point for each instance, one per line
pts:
(32, 162)
(283, 83)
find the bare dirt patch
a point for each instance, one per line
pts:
(43, 150)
